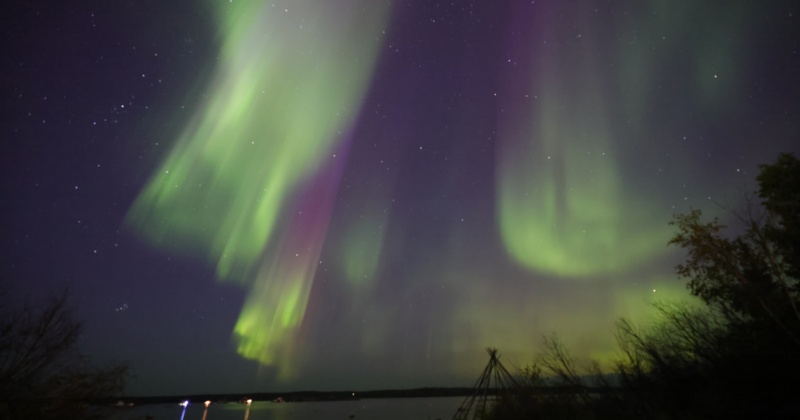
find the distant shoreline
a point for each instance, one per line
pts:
(297, 396)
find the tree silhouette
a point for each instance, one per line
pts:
(42, 375)
(752, 277)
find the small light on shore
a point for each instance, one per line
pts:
(184, 404)
(207, 403)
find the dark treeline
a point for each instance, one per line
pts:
(735, 356)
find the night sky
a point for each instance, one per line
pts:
(253, 196)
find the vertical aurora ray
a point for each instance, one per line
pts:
(362, 246)
(276, 304)
(250, 181)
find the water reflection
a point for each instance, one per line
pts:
(184, 404)
(205, 411)
(247, 412)
(385, 409)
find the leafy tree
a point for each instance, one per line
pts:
(751, 279)
(42, 375)
(752, 276)
(780, 189)
(739, 356)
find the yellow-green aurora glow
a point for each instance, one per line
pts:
(285, 91)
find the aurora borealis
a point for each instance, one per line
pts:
(263, 147)
(365, 194)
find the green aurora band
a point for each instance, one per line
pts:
(288, 83)
(562, 206)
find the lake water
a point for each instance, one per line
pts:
(378, 409)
